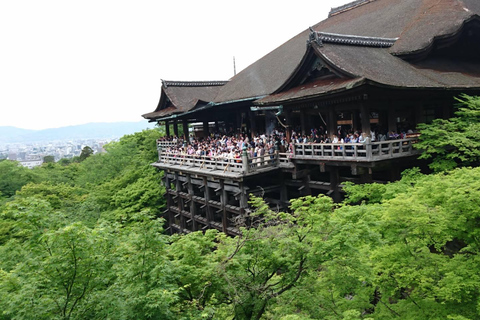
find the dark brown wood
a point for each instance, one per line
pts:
(224, 201)
(167, 128)
(175, 128)
(185, 129)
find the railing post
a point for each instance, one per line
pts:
(276, 162)
(245, 165)
(159, 149)
(368, 148)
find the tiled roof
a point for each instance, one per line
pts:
(405, 26)
(366, 39)
(311, 90)
(183, 96)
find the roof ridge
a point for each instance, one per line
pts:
(367, 41)
(348, 6)
(167, 83)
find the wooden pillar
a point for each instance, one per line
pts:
(302, 122)
(185, 129)
(243, 196)
(366, 175)
(208, 209)
(283, 190)
(238, 128)
(395, 173)
(288, 129)
(331, 122)
(392, 119)
(365, 115)
(167, 128)
(306, 191)
(206, 129)
(253, 124)
(309, 122)
(334, 183)
(193, 206)
(356, 123)
(224, 201)
(169, 203)
(180, 202)
(175, 128)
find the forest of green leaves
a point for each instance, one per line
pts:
(83, 240)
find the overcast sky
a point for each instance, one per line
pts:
(72, 62)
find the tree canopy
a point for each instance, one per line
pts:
(85, 241)
(456, 141)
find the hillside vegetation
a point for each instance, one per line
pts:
(85, 241)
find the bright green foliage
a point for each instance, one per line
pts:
(271, 257)
(59, 275)
(454, 142)
(409, 254)
(13, 177)
(122, 181)
(49, 267)
(83, 241)
(144, 282)
(429, 256)
(425, 265)
(194, 264)
(57, 173)
(58, 195)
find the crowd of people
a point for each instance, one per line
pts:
(226, 147)
(216, 145)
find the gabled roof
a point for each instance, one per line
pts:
(395, 28)
(183, 96)
(398, 43)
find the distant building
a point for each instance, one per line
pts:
(31, 163)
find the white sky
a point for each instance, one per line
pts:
(65, 62)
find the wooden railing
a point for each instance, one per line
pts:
(260, 162)
(369, 151)
(244, 164)
(164, 144)
(201, 162)
(359, 152)
(284, 159)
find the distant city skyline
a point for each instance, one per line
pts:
(102, 130)
(66, 63)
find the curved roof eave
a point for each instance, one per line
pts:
(407, 54)
(310, 92)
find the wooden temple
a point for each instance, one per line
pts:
(379, 67)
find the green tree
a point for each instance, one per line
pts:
(61, 277)
(86, 152)
(271, 257)
(453, 142)
(13, 177)
(144, 274)
(124, 180)
(48, 159)
(61, 172)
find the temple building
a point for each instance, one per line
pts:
(376, 67)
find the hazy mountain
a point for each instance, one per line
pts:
(86, 131)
